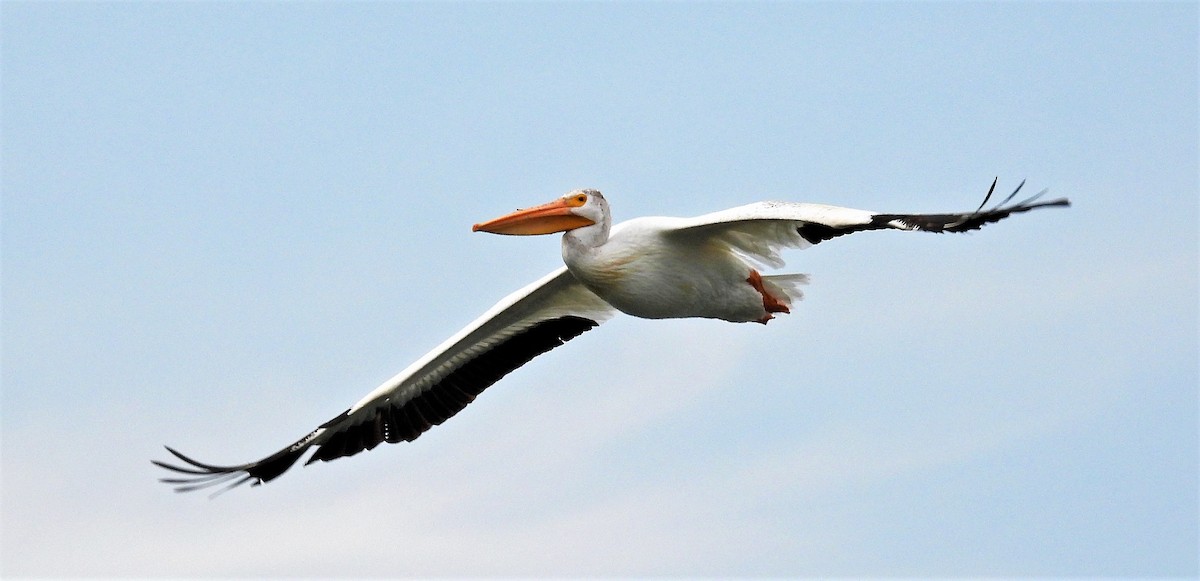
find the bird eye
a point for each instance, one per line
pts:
(579, 200)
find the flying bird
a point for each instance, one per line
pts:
(653, 267)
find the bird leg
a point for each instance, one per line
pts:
(770, 303)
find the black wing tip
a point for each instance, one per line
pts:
(1055, 203)
(968, 221)
(199, 475)
(391, 428)
(1027, 203)
(988, 196)
(1003, 209)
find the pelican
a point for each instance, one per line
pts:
(653, 267)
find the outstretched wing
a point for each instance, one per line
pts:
(760, 230)
(527, 323)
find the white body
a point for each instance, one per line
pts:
(655, 268)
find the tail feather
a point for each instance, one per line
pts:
(786, 285)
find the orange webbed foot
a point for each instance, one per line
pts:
(771, 303)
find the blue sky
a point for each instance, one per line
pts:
(225, 222)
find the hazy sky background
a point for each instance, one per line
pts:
(223, 223)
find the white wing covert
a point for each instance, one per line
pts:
(525, 324)
(762, 229)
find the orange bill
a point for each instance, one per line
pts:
(545, 219)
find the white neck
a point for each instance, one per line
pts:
(581, 241)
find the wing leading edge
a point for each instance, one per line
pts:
(761, 229)
(527, 323)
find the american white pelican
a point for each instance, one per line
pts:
(654, 268)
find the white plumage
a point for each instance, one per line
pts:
(655, 268)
